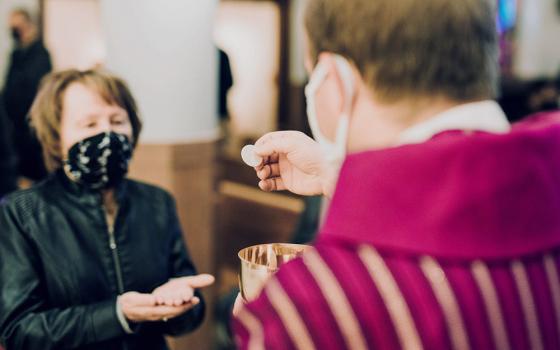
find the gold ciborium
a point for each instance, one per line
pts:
(261, 261)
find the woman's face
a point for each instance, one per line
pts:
(85, 114)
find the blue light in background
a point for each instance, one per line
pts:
(507, 15)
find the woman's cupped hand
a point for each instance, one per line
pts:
(167, 301)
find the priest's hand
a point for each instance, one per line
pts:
(293, 161)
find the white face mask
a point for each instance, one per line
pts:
(335, 152)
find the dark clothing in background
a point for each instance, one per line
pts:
(225, 83)
(61, 274)
(520, 98)
(8, 159)
(309, 221)
(27, 67)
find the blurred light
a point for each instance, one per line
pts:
(507, 15)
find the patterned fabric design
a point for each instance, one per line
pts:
(100, 161)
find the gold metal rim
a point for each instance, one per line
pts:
(301, 247)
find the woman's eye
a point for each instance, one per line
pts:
(118, 122)
(90, 125)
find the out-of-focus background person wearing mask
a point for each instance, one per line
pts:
(8, 159)
(29, 63)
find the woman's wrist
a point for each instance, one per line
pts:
(125, 323)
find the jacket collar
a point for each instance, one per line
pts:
(476, 195)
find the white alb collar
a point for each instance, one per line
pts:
(485, 116)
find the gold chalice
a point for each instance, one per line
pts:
(261, 261)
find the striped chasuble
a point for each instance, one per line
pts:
(449, 244)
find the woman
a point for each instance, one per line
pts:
(444, 228)
(89, 259)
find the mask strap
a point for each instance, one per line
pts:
(347, 78)
(342, 134)
(317, 78)
(347, 81)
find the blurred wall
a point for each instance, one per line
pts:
(296, 112)
(5, 39)
(298, 75)
(538, 50)
(73, 33)
(249, 32)
(165, 53)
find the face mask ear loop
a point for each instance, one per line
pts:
(348, 85)
(318, 77)
(347, 78)
(342, 135)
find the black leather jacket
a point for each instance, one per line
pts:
(61, 267)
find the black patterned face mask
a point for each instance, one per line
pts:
(100, 161)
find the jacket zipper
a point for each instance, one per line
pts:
(116, 261)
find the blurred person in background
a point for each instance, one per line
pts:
(29, 63)
(544, 95)
(8, 160)
(443, 230)
(224, 85)
(88, 258)
(520, 98)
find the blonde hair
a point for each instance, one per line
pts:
(46, 111)
(411, 48)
